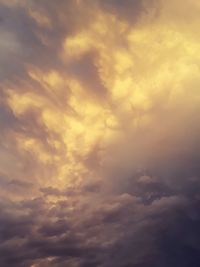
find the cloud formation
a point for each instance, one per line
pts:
(99, 146)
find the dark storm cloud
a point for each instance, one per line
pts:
(132, 233)
(13, 184)
(7, 118)
(33, 236)
(21, 43)
(129, 10)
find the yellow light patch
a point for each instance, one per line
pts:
(146, 67)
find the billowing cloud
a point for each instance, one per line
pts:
(99, 146)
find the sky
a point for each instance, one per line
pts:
(99, 133)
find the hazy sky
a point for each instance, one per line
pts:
(100, 133)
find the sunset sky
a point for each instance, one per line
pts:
(99, 133)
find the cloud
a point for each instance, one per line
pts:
(129, 10)
(99, 118)
(111, 231)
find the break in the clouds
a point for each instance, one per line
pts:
(99, 144)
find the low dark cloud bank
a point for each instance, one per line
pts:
(120, 230)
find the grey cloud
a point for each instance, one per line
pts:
(129, 10)
(22, 44)
(85, 70)
(119, 231)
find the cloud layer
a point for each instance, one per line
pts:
(99, 145)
